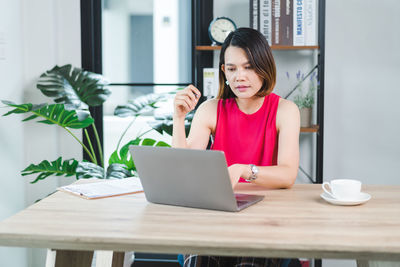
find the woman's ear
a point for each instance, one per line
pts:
(223, 68)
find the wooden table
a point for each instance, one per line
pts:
(287, 223)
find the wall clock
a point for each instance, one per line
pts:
(219, 29)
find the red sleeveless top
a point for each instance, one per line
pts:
(247, 138)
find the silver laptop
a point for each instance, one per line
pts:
(188, 177)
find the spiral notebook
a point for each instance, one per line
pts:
(104, 188)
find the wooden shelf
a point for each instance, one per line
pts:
(312, 129)
(274, 47)
(208, 47)
(290, 47)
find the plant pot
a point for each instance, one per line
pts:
(305, 117)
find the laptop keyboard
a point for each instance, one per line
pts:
(241, 199)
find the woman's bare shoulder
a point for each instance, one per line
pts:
(207, 112)
(209, 106)
(287, 112)
(210, 103)
(287, 105)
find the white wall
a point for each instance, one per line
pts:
(35, 35)
(12, 197)
(51, 38)
(362, 126)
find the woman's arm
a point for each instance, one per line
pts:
(184, 102)
(203, 123)
(283, 175)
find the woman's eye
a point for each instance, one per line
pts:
(231, 69)
(249, 67)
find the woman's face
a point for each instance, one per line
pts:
(243, 80)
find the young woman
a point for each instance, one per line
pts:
(257, 130)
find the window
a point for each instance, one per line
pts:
(146, 48)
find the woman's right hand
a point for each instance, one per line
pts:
(186, 100)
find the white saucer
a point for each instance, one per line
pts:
(364, 197)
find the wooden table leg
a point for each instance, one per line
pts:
(68, 258)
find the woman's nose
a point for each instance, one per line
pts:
(239, 75)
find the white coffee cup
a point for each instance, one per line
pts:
(343, 188)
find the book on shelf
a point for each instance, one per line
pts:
(275, 21)
(286, 27)
(254, 14)
(210, 82)
(298, 22)
(310, 18)
(285, 22)
(265, 19)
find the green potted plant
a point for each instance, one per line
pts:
(305, 97)
(75, 90)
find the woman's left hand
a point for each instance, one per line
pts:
(235, 172)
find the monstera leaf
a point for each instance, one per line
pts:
(86, 170)
(152, 142)
(123, 157)
(139, 105)
(52, 114)
(70, 167)
(46, 168)
(164, 123)
(74, 87)
(118, 171)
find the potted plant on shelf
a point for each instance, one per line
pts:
(305, 96)
(74, 91)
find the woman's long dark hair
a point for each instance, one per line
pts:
(259, 55)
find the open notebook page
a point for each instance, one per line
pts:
(105, 188)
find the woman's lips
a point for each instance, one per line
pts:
(241, 88)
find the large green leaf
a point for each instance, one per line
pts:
(118, 171)
(123, 156)
(162, 126)
(70, 167)
(86, 170)
(51, 114)
(140, 105)
(46, 168)
(155, 143)
(74, 87)
(164, 123)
